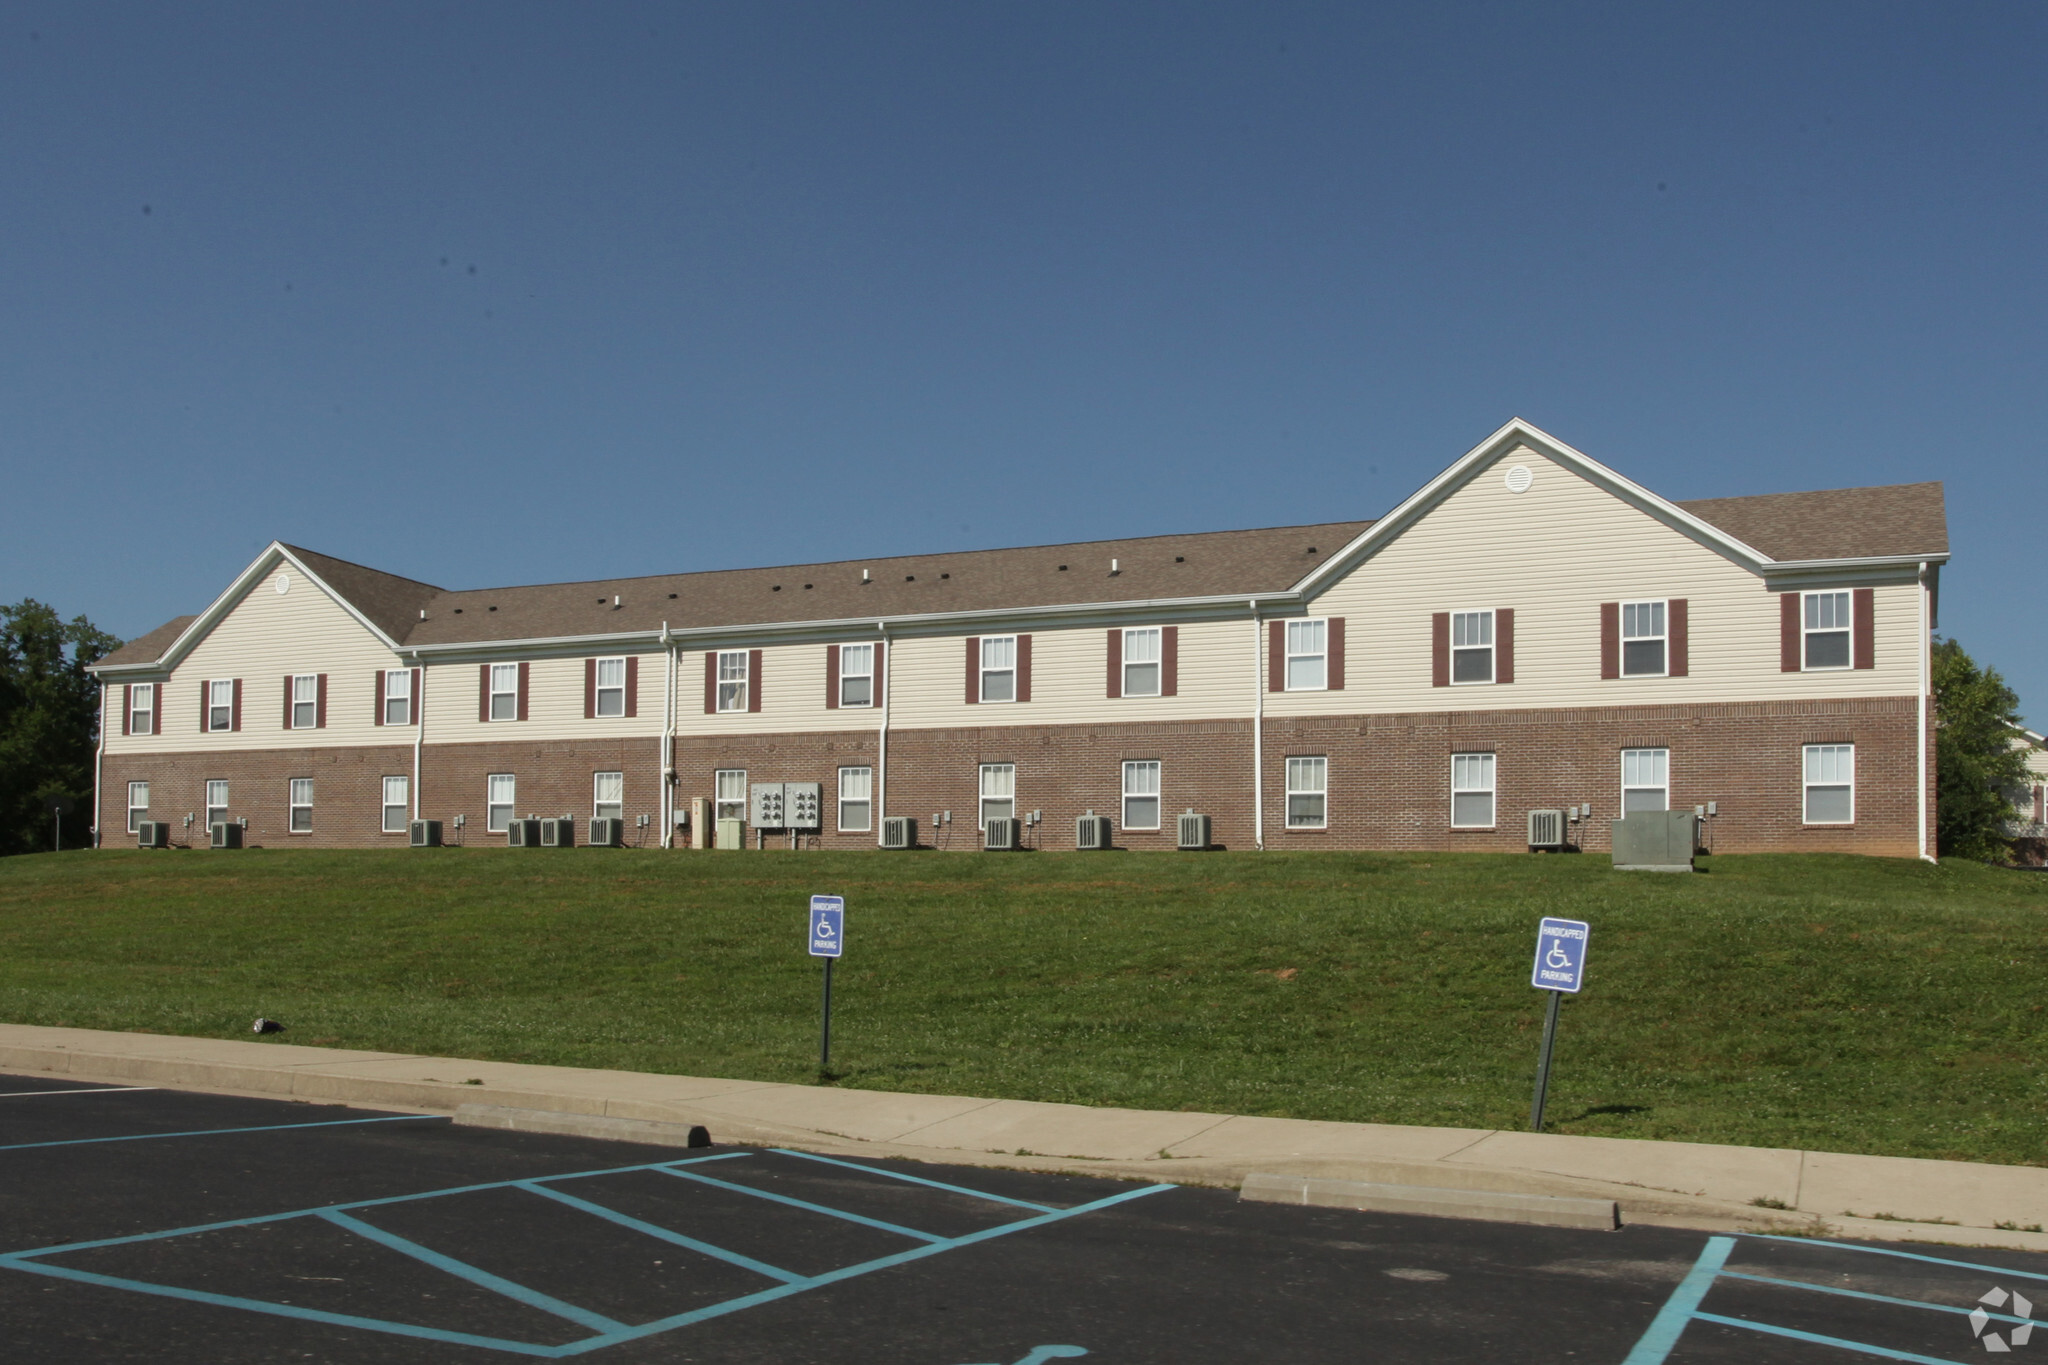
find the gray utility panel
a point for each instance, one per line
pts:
(1655, 840)
(786, 805)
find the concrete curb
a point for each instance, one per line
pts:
(649, 1131)
(1494, 1206)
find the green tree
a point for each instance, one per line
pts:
(49, 723)
(1976, 766)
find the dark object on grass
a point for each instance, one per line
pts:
(267, 1026)
(700, 1136)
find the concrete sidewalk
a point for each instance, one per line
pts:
(1676, 1183)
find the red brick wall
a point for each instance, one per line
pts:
(348, 791)
(553, 778)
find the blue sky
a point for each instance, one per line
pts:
(510, 293)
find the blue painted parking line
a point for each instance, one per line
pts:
(607, 1331)
(1816, 1338)
(219, 1132)
(913, 1179)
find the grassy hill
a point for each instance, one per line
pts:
(1830, 1002)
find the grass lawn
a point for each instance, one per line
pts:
(1838, 1003)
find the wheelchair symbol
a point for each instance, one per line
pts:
(825, 929)
(1557, 959)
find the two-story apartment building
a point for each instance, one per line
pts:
(1529, 630)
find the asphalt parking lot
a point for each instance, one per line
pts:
(155, 1225)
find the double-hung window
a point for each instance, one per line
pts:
(305, 701)
(504, 691)
(220, 704)
(1830, 783)
(216, 802)
(1308, 793)
(138, 805)
(999, 668)
(1141, 663)
(1826, 634)
(732, 685)
(611, 687)
(856, 799)
(1141, 794)
(398, 696)
(1471, 791)
(729, 792)
(856, 677)
(998, 792)
(397, 803)
(1472, 649)
(142, 709)
(607, 796)
(501, 791)
(1643, 640)
(1308, 656)
(302, 805)
(1645, 780)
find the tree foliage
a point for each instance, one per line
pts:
(49, 723)
(1976, 766)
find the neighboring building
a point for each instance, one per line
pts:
(1530, 630)
(2030, 831)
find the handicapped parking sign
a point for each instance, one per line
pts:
(828, 925)
(1560, 955)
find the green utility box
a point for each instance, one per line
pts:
(1655, 841)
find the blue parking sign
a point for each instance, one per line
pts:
(828, 925)
(1560, 955)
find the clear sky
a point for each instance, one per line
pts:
(501, 293)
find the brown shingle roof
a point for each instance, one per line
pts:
(1840, 523)
(147, 649)
(392, 602)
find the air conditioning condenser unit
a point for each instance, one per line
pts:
(608, 833)
(425, 833)
(224, 834)
(1194, 832)
(558, 834)
(899, 831)
(1092, 831)
(1003, 836)
(153, 834)
(732, 833)
(1547, 829)
(522, 834)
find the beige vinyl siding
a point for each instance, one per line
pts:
(261, 638)
(792, 692)
(1554, 554)
(554, 701)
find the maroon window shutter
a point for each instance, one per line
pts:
(1023, 668)
(235, 709)
(1334, 642)
(831, 677)
(2040, 804)
(483, 692)
(1503, 644)
(1678, 649)
(1610, 639)
(710, 681)
(127, 692)
(414, 695)
(1788, 632)
(632, 686)
(1276, 657)
(525, 677)
(1440, 649)
(377, 705)
(205, 705)
(287, 701)
(973, 669)
(1169, 661)
(320, 703)
(753, 680)
(1864, 602)
(876, 691)
(1116, 664)
(589, 689)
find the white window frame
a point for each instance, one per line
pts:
(997, 775)
(142, 702)
(403, 805)
(863, 673)
(220, 704)
(499, 815)
(299, 794)
(1637, 765)
(1144, 649)
(601, 809)
(1830, 756)
(1306, 649)
(305, 701)
(733, 680)
(733, 806)
(610, 702)
(1462, 624)
(216, 811)
(400, 678)
(137, 813)
(857, 799)
(996, 648)
(1466, 772)
(1645, 622)
(504, 689)
(1139, 775)
(1308, 777)
(1816, 605)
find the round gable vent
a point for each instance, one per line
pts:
(1519, 478)
(284, 584)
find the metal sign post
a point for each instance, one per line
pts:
(1560, 969)
(60, 806)
(828, 937)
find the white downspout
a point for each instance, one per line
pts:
(99, 757)
(1258, 729)
(668, 747)
(419, 733)
(882, 737)
(1926, 687)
